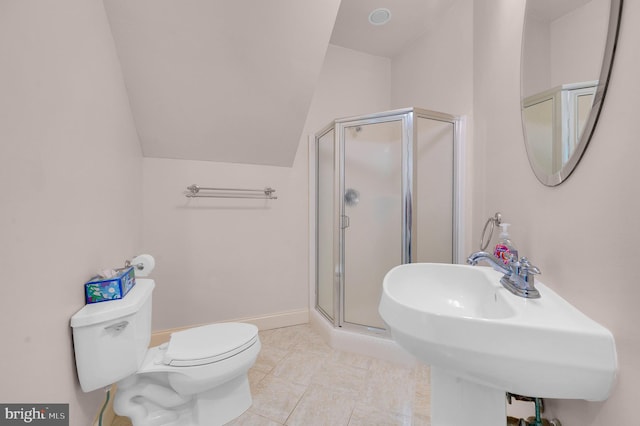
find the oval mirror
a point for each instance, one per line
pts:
(567, 52)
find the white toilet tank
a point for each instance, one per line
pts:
(111, 338)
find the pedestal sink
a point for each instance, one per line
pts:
(482, 341)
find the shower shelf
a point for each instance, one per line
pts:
(194, 192)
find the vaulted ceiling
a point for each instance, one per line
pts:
(232, 81)
(221, 80)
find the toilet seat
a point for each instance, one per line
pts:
(208, 344)
(200, 375)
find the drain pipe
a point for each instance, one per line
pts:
(539, 408)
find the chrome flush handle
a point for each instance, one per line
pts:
(117, 327)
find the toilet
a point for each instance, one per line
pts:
(198, 378)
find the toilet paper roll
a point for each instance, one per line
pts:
(143, 265)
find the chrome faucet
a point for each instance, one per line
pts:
(518, 273)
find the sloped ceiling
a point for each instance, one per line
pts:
(221, 80)
(410, 19)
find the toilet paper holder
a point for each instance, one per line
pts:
(143, 264)
(137, 266)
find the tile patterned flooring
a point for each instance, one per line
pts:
(299, 380)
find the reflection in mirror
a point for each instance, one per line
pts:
(567, 51)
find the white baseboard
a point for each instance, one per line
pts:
(278, 320)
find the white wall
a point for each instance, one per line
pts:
(351, 83)
(538, 57)
(436, 71)
(230, 259)
(565, 50)
(577, 42)
(582, 234)
(69, 179)
(222, 259)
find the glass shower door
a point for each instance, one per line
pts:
(371, 215)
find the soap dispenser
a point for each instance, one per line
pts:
(505, 250)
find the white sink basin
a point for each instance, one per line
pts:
(461, 320)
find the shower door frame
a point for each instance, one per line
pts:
(409, 137)
(406, 140)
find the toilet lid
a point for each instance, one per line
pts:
(209, 343)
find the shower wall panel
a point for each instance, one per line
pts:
(434, 188)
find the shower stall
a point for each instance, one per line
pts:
(387, 192)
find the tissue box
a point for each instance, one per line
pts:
(104, 289)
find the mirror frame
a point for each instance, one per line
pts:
(615, 16)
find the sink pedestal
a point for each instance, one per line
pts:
(461, 320)
(459, 402)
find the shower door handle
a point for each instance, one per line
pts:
(344, 221)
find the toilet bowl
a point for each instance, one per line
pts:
(198, 378)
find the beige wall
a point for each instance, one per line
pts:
(582, 234)
(69, 179)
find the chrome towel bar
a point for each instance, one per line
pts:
(266, 193)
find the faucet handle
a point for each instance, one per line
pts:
(526, 266)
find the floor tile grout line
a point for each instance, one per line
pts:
(296, 406)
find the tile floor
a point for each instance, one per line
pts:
(299, 380)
